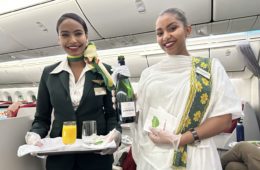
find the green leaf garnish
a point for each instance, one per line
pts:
(155, 122)
(98, 142)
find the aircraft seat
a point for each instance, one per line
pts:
(232, 127)
(251, 129)
(28, 110)
(12, 132)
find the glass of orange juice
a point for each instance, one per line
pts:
(69, 132)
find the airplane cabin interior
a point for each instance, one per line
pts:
(226, 30)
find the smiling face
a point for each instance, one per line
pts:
(171, 34)
(72, 37)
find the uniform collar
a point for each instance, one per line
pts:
(64, 66)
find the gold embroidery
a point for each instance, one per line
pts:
(187, 122)
(199, 86)
(203, 65)
(205, 81)
(197, 116)
(98, 81)
(203, 98)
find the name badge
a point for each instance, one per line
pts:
(100, 91)
(203, 72)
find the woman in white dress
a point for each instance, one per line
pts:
(194, 95)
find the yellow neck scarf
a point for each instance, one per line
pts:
(93, 62)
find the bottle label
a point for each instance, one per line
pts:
(128, 109)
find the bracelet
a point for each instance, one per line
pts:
(195, 135)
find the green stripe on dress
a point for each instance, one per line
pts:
(197, 103)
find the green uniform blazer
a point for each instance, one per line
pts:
(54, 96)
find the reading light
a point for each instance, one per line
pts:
(42, 26)
(7, 6)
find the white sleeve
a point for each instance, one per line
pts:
(224, 99)
(141, 88)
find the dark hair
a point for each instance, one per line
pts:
(180, 15)
(74, 17)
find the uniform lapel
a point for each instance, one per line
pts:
(64, 78)
(89, 76)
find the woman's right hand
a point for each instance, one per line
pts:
(165, 137)
(32, 138)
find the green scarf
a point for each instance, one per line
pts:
(75, 58)
(93, 62)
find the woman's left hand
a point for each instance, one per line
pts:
(113, 135)
(165, 137)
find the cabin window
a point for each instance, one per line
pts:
(9, 98)
(20, 98)
(33, 98)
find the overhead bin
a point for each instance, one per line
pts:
(8, 43)
(33, 73)
(233, 60)
(230, 58)
(12, 75)
(22, 73)
(220, 27)
(41, 26)
(117, 23)
(124, 18)
(256, 26)
(223, 9)
(126, 41)
(242, 24)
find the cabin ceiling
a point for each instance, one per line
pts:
(30, 32)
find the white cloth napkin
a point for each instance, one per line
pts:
(165, 121)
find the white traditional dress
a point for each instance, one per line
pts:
(167, 85)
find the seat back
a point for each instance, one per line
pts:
(26, 112)
(12, 132)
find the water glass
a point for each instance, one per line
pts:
(89, 131)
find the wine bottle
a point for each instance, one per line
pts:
(125, 99)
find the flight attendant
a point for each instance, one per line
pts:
(194, 93)
(68, 90)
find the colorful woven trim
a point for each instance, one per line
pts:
(91, 59)
(197, 103)
(75, 58)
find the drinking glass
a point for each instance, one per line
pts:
(89, 131)
(69, 132)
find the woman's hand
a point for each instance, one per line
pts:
(112, 135)
(164, 137)
(32, 138)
